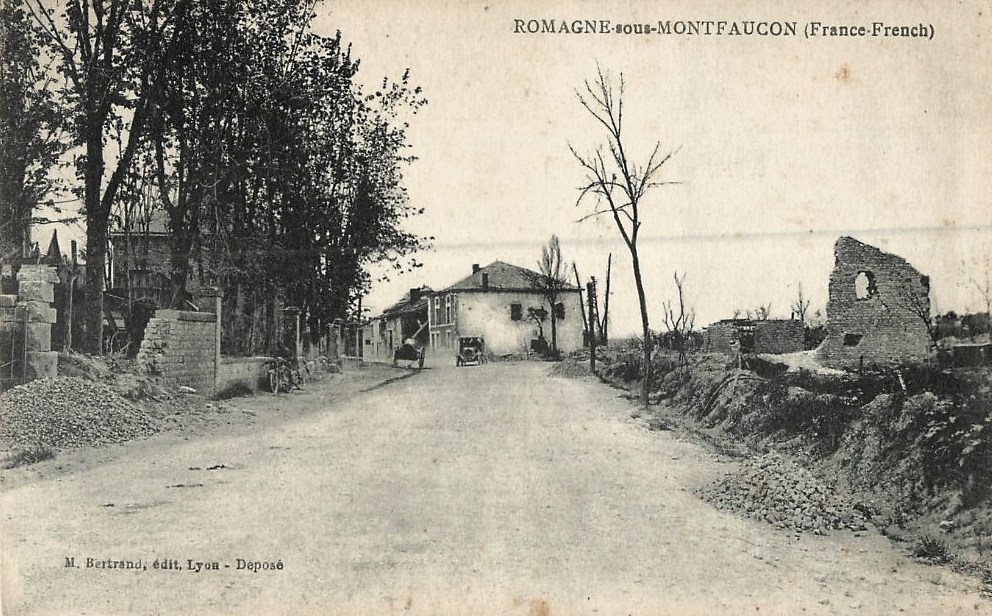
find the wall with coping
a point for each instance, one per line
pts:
(248, 372)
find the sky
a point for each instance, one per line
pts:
(782, 144)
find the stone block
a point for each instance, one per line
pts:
(36, 312)
(39, 336)
(34, 291)
(42, 364)
(37, 273)
(8, 301)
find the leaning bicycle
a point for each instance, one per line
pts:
(282, 377)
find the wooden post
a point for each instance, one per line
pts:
(582, 303)
(605, 322)
(591, 297)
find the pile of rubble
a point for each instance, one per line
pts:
(65, 412)
(777, 491)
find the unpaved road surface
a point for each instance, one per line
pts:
(480, 490)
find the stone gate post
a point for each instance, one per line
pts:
(35, 294)
(217, 296)
(291, 329)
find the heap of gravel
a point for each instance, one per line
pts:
(780, 492)
(64, 412)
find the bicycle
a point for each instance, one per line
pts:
(282, 376)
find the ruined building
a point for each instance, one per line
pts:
(772, 336)
(877, 311)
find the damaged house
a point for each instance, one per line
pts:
(493, 303)
(773, 336)
(407, 318)
(878, 309)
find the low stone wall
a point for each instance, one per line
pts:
(179, 349)
(249, 372)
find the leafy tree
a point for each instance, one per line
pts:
(31, 127)
(617, 185)
(98, 45)
(282, 180)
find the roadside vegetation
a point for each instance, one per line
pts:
(907, 449)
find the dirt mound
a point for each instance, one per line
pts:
(65, 412)
(777, 491)
(570, 368)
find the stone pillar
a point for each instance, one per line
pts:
(216, 295)
(35, 294)
(333, 334)
(291, 329)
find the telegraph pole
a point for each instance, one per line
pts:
(591, 296)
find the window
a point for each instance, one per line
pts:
(447, 308)
(516, 312)
(864, 285)
(852, 339)
(437, 309)
(559, 311)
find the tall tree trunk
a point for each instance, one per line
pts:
(646, 328)
(96, 236)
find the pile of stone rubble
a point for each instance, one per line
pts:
(781, 493)
(65, 412)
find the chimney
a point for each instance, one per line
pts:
(415, 295)
(475, 267)
(485, 280)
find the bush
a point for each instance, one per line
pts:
(930, 549)
(234, 390)
(30, 455)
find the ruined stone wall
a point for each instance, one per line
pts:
(770, 336)
(179, 349)
(777, 336)
(874, 309)
(721, 338)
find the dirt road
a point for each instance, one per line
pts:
(480, 490)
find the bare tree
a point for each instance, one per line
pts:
(984, 288)
(538, 315)
(762, 312)
(604, 321)
(616, 184)
(551, 282)
(680, 324)
(801, 305)
(917, 303)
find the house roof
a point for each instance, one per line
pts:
(406, 306)
(156, 221)
(502, 277)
